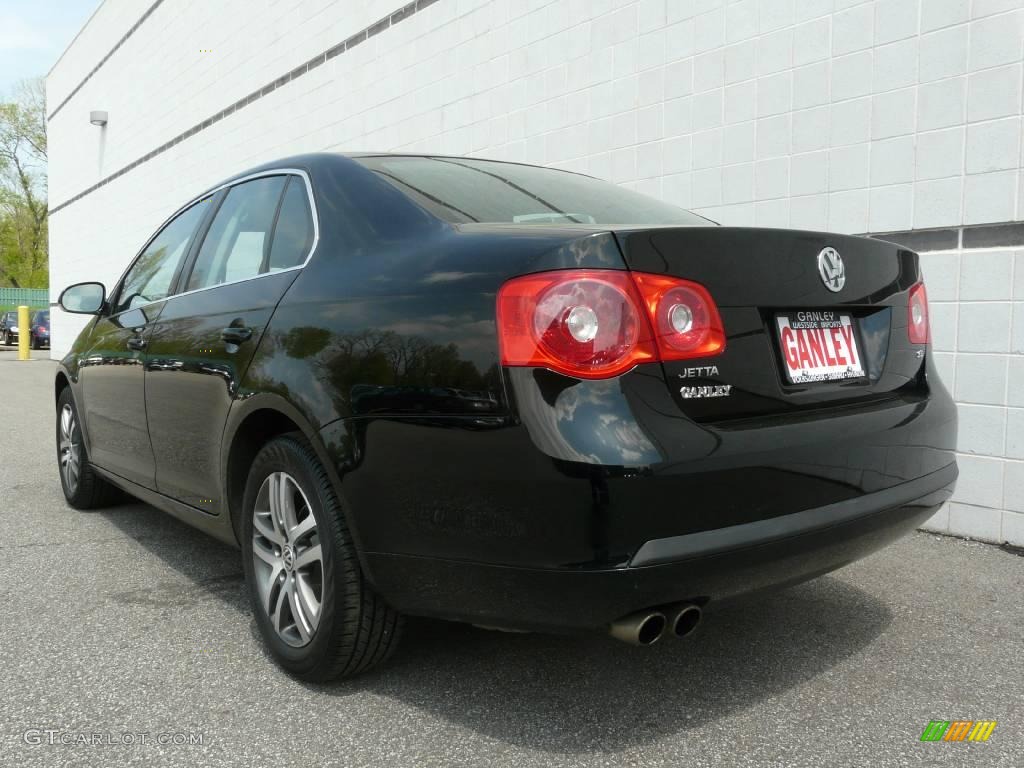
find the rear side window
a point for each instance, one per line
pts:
(150, 277)
(237, 245)
(293, 234)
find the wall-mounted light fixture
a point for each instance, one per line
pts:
(98, 118)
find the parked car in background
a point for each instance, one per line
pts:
(40, 327)
(9, 328)
(501, 394)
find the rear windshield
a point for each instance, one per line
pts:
(461, 190)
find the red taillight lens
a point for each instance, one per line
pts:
(685, 318)
(595, 324)
(583, 323)
(917, 315)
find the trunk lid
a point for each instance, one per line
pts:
(757, 276)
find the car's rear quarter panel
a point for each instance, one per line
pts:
(386, 345)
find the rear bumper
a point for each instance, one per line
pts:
(596, 500)
(708, 565)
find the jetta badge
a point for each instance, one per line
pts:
(832, 269)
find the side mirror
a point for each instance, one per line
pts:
(83, 298)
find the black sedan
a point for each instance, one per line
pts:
(505, 395)
(9, 328)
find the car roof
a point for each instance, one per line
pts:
(313, 160)
(442, 156)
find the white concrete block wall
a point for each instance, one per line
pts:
(850, 115)
(976, 299)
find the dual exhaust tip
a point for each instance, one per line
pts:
(648, 627)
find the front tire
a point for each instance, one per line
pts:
(83, 487)
(315, 611)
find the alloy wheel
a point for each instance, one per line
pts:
(70, 450)
(287, 559)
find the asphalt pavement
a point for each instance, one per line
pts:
(124, 625)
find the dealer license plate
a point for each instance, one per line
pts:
(819, 345)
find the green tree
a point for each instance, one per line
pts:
(24, 251)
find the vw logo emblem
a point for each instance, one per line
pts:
(832, 269)
(288, 555)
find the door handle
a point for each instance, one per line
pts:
(137, 343)
(235, 334)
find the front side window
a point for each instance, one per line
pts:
(236, 247)
(150, 277)
(462, 190)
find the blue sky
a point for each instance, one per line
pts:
(34, 33)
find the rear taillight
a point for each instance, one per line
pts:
(917, 315)
(685, 319)
(583, 323)
(595, 324)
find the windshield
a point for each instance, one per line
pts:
(42, 318)
(462, 190)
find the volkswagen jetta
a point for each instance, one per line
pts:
(502, 394)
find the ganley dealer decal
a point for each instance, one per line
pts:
(715, 390)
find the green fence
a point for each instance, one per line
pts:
(12, 298)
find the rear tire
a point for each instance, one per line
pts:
(83, 487)
(316, 613)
